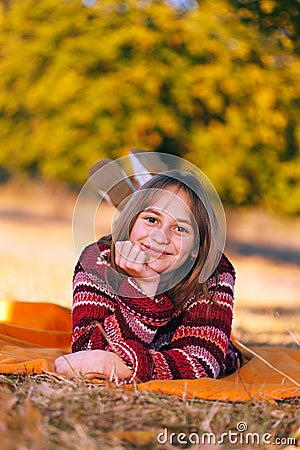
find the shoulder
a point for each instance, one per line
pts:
(95, 252)
(222, 281)
(225, 266)
(225, 281)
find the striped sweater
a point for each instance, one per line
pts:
(153, 337)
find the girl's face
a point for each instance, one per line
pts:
(165, 231)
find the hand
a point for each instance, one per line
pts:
(131, 258)
(92, 364)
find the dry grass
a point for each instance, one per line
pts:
(45, 412)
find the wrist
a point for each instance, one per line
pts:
(148, 285)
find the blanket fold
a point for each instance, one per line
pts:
(33, 335)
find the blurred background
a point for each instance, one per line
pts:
(215, 82)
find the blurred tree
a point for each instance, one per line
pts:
(277, 19)
(217, 84)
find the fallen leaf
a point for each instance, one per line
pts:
(136, 437)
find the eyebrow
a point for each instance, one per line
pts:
(178, 219)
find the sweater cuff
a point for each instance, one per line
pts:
(137, 358)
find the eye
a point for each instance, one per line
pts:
(151, 219)
(181, 229)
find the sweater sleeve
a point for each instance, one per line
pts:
(93, 301)
(199, 345)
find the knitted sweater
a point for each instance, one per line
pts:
(153, 337)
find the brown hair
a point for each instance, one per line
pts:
(188, 285)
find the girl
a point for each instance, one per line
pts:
(154, 300)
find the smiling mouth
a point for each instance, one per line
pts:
(155, 251)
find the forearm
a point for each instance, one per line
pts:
(189, 363)
(90, 308)
(93, 301)
(199, 344)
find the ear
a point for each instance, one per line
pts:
(194, 254)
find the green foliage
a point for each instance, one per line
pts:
(217, 84)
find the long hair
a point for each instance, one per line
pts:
(179, 288)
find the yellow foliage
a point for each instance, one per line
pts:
(267, 6)
(265, 98)
(78, 82)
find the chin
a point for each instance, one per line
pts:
(158, 268)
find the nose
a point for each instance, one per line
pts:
(159, 237)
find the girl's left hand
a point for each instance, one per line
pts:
(91, 364)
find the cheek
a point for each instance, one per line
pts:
(137, 231)
(186, 247)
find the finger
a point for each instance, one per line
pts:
(118, 251)
(61, 366)
(134, 253)
(129, 252)
(66, 365)
(138, 255)
(123, 248)
(58, 363)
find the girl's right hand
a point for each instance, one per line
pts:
(131, 258)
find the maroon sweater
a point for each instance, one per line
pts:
(153, 337)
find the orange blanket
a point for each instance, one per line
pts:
(32, 335)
